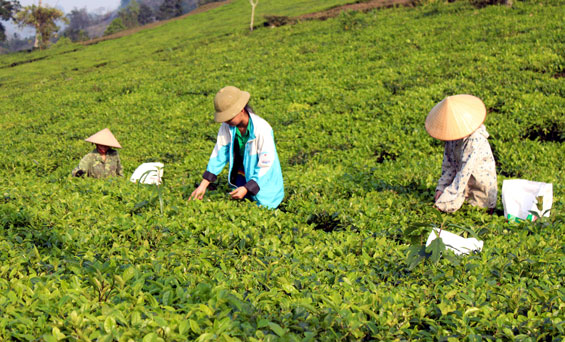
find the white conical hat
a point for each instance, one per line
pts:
(456, 117)
(104, 137)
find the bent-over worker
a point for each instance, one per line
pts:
(247, 142)
(468, 170)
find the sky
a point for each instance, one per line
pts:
(92, 6)
(69, 5)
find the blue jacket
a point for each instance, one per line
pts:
(260, 161)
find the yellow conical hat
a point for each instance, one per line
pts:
(456, 117)
(104, 137)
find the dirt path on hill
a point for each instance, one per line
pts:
(361, 6)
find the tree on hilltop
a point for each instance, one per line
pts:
(43, 20)
(115, 26)
(128, 17)
(170, 9)
(7, 11)
(79, 20)
(130, 14)
(145, 15)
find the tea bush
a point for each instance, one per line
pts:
(82, 260)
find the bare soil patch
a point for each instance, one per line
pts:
(364, 6)
(360, 6)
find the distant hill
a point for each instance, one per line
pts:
(18, 38)
(97, 29)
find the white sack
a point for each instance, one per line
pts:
(458, 244)
(153, 177)
(519, 198)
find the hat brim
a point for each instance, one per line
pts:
(104, 137)
(455, 117)
(232, 111)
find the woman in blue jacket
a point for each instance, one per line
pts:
(246, 141)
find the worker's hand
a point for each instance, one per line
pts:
(199, 192)
(239, 193)
(438, 193)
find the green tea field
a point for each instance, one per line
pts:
(97, 260)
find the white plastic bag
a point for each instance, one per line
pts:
(519, 197)
(153, 177)
(458, 244)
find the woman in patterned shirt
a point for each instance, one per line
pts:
(468, 170)
(103, 161)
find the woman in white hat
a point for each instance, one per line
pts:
(468, 169)
(103, 161)
(247, 142)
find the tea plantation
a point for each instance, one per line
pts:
(97, 260)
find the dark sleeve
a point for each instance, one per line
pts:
(252, 187)
(209, 176)
(119, 168)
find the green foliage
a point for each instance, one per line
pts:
(76, 35)
(79, 20)
(7, 10)
(158, 188)
(352, 20)
(170, 9)
(130, 14)
(347, 108)
(145, 15)
(63, 42)
(419, 252)
(128, 17)
(115, 26)
(43, 20)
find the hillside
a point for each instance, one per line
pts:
(347, 97)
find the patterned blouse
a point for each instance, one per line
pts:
(93, 166)
(468, 172)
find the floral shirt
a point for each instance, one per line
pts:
(468, 172)
(93, 166)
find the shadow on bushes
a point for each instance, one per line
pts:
(553, 132)
(328, 222)
(301, 157)
(485, 3)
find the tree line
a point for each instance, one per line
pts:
(80, 25)
(133, 13)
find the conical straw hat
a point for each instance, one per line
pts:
(104, 137)
(456, 117)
